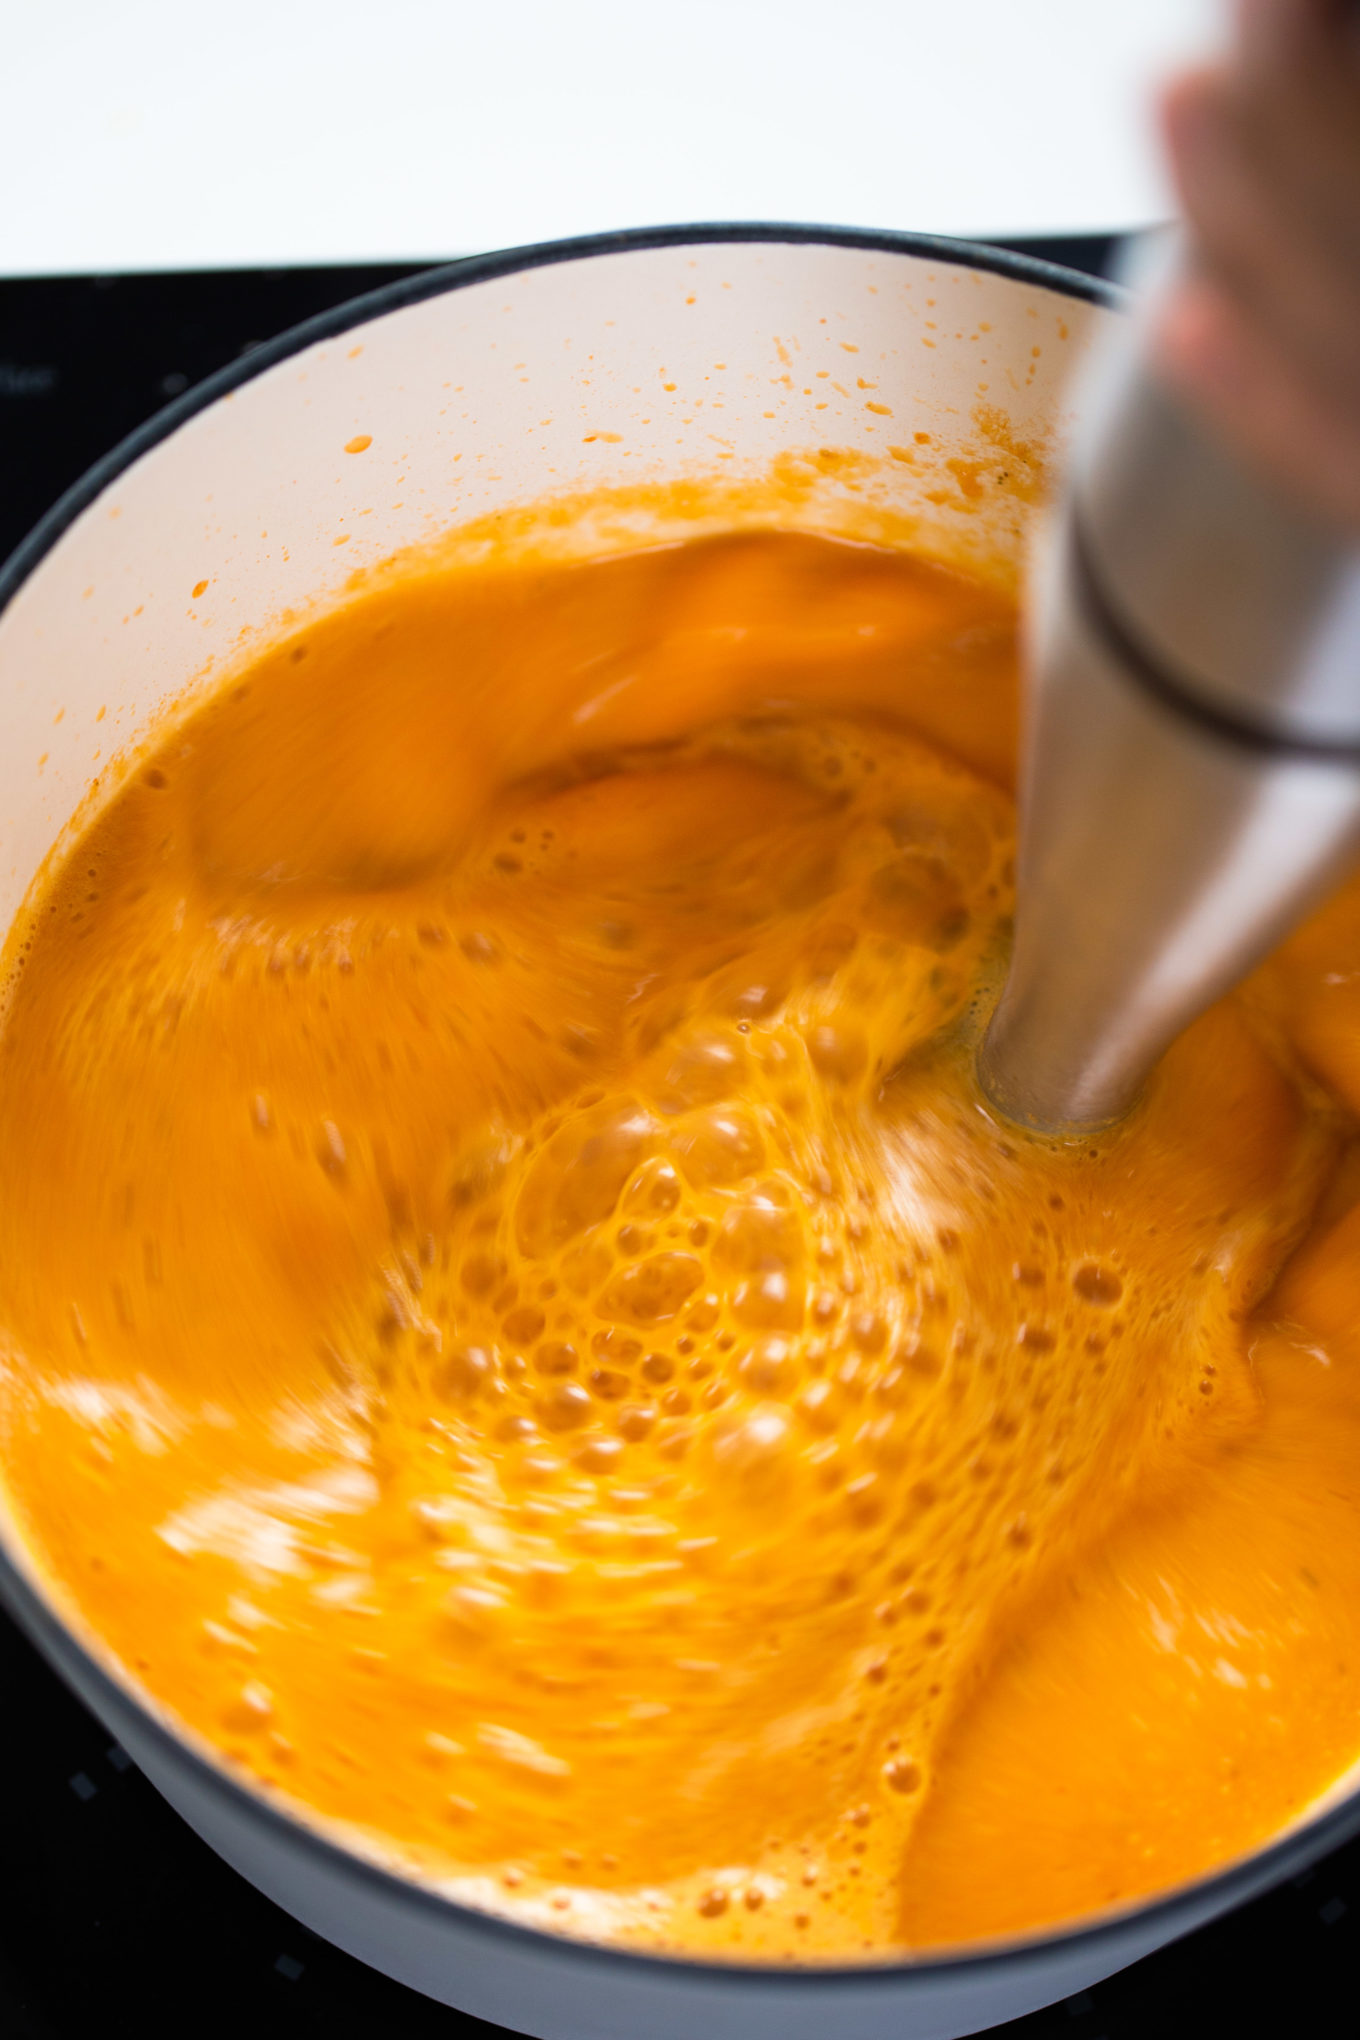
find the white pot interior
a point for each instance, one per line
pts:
(722, 361)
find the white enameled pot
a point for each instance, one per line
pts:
(709, 353)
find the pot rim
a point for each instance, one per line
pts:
(1178, 1909)
(470, 269)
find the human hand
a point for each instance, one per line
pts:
(1263, 332)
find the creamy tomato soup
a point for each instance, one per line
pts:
(520, 1333)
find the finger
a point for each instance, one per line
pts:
(1272, 35)
(1232, 370)
(1296, 76)
(1293, 149)
(1299, 273)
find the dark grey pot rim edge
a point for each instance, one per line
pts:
(1170, 1913)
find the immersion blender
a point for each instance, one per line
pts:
(1191, 779)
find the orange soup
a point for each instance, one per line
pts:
(517, 1329)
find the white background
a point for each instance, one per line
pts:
(141, 134)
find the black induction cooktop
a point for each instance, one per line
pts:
(114, 1917)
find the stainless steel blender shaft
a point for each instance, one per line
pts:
(1191, 781)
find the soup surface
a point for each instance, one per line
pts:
(517, 1329)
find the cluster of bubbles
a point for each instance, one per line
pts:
(707, 1333)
